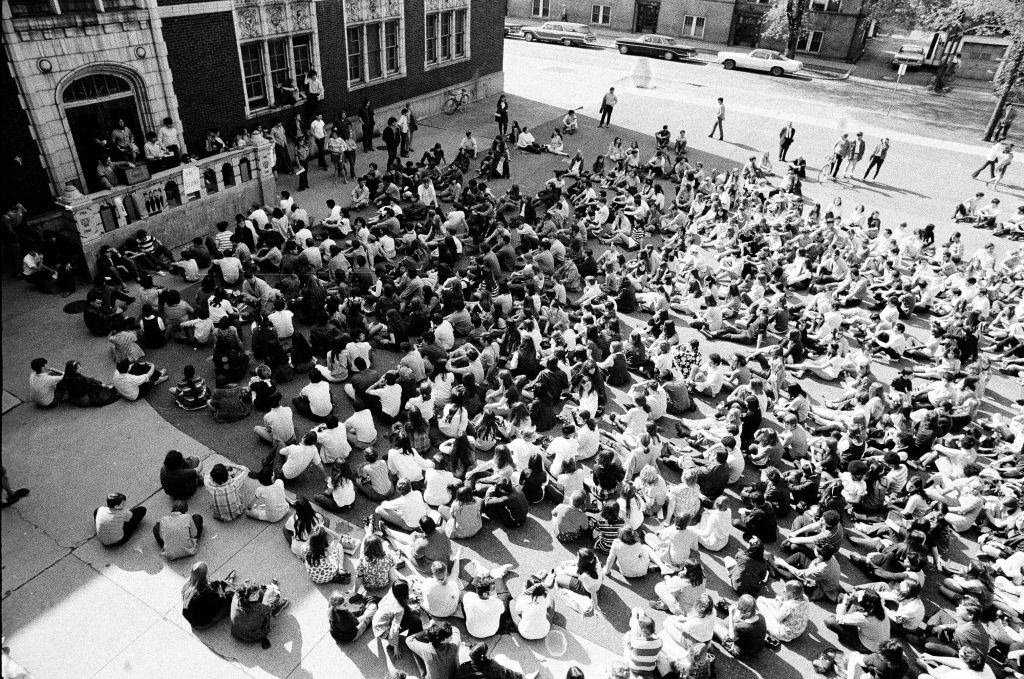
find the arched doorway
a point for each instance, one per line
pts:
(93, 105)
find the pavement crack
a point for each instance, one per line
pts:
(17, 510)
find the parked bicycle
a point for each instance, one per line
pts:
(456, 100)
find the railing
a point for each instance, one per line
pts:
(166, 191)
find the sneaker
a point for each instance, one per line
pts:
(163, 377)
(281, 605)
(658, 605)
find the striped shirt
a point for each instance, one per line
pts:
(642, 654)
(227, 498)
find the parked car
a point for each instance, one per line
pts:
(911, 55)
(768, 61)
(560, 31)
(655, 46)
(513, 29)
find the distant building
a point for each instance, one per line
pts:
(834, 29)
(980, 56)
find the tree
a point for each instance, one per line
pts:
(954, 18)
(785, 20)
(1008, 83)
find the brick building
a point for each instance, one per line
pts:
(834, 29)
(72, 68)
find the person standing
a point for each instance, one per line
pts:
(877, 157)
(719, 120)
(302, 157)
(607, 104)
(314, 93)
(1006, 123)
(1003, 164)
(413, 125)
(403, 132)
(840, 151)
(501, 115)
(857, 148)
(319, 131)
(392, 138)
(786, 135)
(991, 158)
(367, 121)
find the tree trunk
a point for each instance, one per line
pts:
(1009, 82)
(795, 21)
(953, 36)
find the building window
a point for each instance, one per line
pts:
(30, 8)
(446, 36)
(541, 8)
(825, 5)
(374, 51)
(77, 6)
(810, 41)
(693, 27)
(600, 14)
(252, 72)
(275, 70)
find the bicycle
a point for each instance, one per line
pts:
(456, 100)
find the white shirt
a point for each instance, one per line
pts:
(390, 396)
(360, 424)
(409, 467)
(441, 600)
(334, 444)
(482, 615)
(299, 457)
(410, 507)
(42, 387)
(128, 384)
(533, 623)
(317, 128)
(279, 421)
(282, 322)
(436, 492)
(319, 395)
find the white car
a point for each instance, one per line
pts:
(768, 61)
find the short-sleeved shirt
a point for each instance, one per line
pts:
(110, 524)
(299, 456)
(319, 395)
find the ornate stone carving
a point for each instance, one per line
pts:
(358, 11)
(249, 24)
(436, 5)
(277, 19)
(300, 16)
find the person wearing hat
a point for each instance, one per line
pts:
(116, 524)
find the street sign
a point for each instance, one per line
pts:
(903, 69)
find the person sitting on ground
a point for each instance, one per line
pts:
(253, 610)
(269, 502)
(178, 533)
(205, 603)
(349, 615)
(135, 379)
(191, 392)
(44, 384)
(180, 476)
(116, 524)
(225, 482)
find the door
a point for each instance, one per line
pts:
(92, 122)
(747, 28)
(980, 61)
(647, 16)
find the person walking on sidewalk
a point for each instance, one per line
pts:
(857, 148)
(991, 158)
(877, 157)
(719, 120)
(786, 135)
(607, 104)
(840, 151)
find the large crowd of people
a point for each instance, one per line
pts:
(517, 324)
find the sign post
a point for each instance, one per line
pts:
(899, 74)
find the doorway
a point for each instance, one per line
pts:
(93, 105)
(647, 16)
(748, 27)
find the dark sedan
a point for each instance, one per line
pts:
(661, 46)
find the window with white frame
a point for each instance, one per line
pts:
(693, 27)
(446, 35)
(374, 42)
(541, 8)
(277, 49)
(600, 14)
(810, 41)
(274, 71)
(826, 5)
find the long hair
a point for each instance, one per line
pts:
(305, 516)
(197, 581)
(586, 562)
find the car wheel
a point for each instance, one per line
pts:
(728, 64)
(668, 56)
(567, 42)
(776, 71)
(529, 37)
(623, 49)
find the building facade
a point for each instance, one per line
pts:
(73, 68)
(833, 29)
